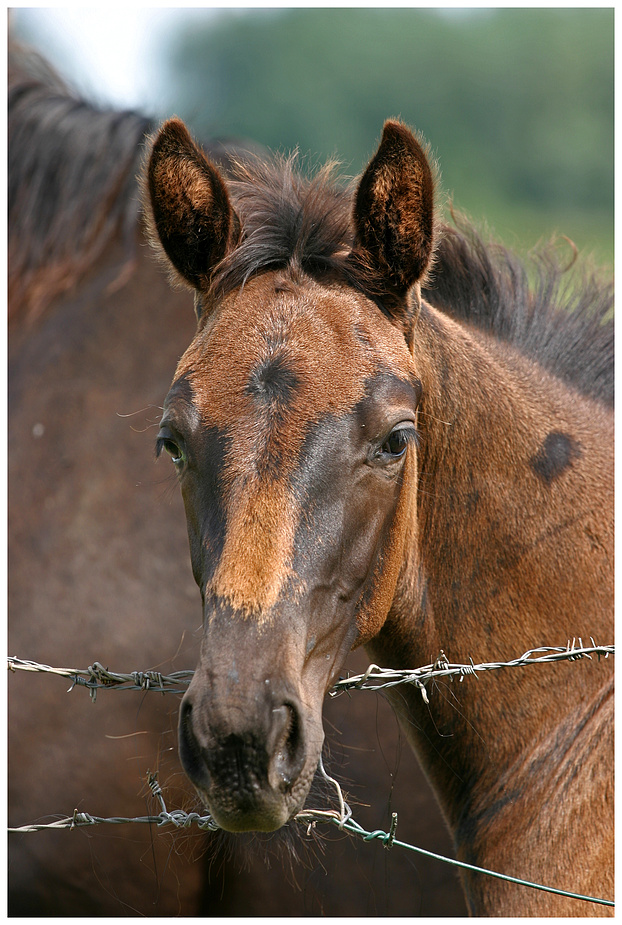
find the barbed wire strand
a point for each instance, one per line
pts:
(309, 817)
(374, 678)
(96, 676)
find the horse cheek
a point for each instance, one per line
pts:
(400, 537)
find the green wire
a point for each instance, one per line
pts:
(355, 829)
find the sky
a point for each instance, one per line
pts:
(109, 55)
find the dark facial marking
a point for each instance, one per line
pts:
(273, 385)
(556, 454)
(273, 382)
(182, 388)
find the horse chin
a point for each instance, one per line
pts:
(261, 815)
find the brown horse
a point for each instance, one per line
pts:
(98, 566)
(385, 437)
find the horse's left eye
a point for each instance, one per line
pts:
(173, 451)
(396, 443)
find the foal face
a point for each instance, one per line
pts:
(290, 423)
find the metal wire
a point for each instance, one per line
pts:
(309, 817)
(374, 678)
(96, 677)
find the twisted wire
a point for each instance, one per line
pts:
(96, 676)
(309, 817)
(374, 678)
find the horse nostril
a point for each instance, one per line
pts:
(288, 753)
(190, 752)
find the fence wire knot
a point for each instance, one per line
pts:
(81, 819)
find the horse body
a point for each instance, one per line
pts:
(85, 558)
(507, 551)
(362, 466)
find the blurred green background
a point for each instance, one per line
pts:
(517, 103)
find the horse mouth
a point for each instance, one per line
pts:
(248, 815)
(244, 801)
(249, 780)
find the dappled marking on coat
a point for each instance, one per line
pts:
(557, 453)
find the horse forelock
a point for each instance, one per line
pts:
(288, 220)
(561, 319)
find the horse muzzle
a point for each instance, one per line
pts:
(251, 755)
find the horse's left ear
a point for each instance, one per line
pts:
(394, 219)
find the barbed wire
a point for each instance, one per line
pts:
(309, 817)
(96, 676)
(376, 678)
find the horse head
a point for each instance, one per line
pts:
(292, 426)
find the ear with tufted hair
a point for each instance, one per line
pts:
(187, 205)
(394, 218)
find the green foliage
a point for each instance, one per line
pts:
(518, 103)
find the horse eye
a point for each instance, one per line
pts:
(173, 451)
(169, 446)
(397, 441)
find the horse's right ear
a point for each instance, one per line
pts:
(187, 205)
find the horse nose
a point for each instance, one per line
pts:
(243, 761)
(191, 752)
(287, 747)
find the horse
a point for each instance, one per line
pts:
(98, 567)
(385, 435)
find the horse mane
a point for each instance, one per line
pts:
(563, 320)
(555, 311)
(72, 181)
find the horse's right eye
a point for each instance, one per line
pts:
(166, 443)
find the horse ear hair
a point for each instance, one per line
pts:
(187, 206)
(394, 217)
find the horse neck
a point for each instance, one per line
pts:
(513, 552)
